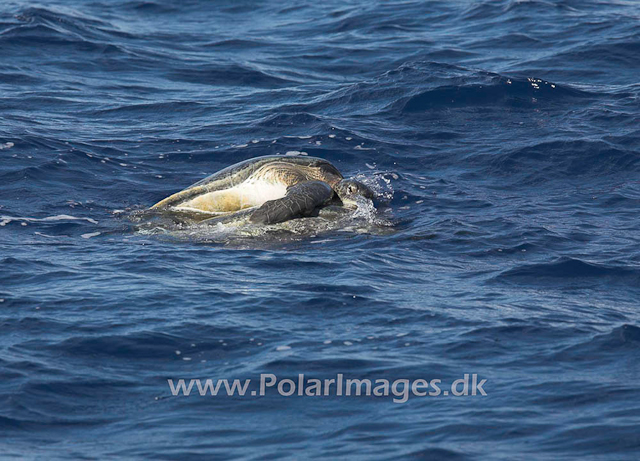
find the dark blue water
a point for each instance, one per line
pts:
(506, 137)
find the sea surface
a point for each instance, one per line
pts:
(502, 138)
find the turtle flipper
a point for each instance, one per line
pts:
(300, 200)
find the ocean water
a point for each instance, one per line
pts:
(502, 138)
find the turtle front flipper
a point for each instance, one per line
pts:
(300, 200)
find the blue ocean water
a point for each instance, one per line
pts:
(504, 138)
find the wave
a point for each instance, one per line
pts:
(236, 43)
(168, 108)
(603, 58)
(570, 269)
(64, 32)
(302, 123)
(63, 22)
(47, 36)
(18, 78)
(147, 6)
(514, 10)
(497, 91)
(621, 340)
(230, 75)
(430, 87)
(561, 159)
(510, 40)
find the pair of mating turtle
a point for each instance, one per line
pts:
(268, 190)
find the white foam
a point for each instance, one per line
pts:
(90, 234)
(283, 348)
(45, 235)
(4, 220)
(6, 145)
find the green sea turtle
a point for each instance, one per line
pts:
(267, 190)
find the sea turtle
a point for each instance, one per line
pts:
(267, 190)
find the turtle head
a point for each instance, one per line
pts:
(349, 190)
